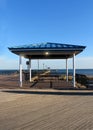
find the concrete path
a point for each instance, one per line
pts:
(37, 109)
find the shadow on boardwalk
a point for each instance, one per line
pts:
(39, 92)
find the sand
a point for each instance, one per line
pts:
(45, 109)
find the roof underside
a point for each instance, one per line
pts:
(47, 50)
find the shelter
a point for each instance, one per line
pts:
(47, 51)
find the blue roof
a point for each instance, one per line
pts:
(55, 50)
(46, 45)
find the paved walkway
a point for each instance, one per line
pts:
(37, 109)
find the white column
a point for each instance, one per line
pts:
(67, 70)
(73, 70)
(30, 70)
(20, 70)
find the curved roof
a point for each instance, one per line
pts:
(47, 50)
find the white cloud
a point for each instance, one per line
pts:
(84, 62)
(13, 63)
(6, 63)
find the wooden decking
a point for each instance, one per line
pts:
(46, 80)
(12, 81)
(55, 84)
(46, 109)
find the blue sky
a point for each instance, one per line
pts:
(35, 21)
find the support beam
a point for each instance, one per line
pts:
(67, 70)
(20, 70)
(30, 76)
(73, 70)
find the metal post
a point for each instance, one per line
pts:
(20, 70)
(67, 70)
(73, 70)
(30, 70)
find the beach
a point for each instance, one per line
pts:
(43, 109)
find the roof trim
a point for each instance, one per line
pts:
(55, 49)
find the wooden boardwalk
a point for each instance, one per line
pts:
(44, 109)
(12, 81)
(47, 81)
(33, 109)
(53, 84)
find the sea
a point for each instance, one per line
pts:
(88, 72)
